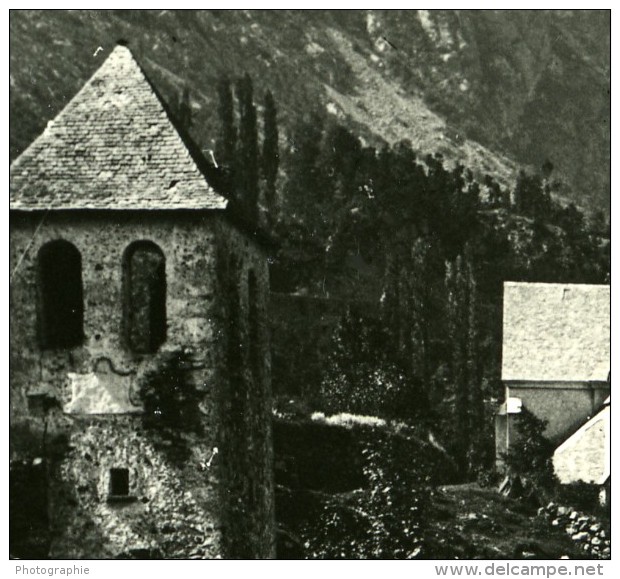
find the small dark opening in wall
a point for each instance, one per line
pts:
(119, 482)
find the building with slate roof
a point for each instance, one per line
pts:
(126, 265)
(555, 356)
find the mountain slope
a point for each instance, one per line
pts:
(480, 87)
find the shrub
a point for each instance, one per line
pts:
(169, 400)
(171, 404)
(530, 456)
(382, 521)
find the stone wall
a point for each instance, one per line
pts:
(171, 509)
(88, 396)
(187, 242)
(586, 530)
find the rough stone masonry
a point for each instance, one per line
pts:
(115, 230)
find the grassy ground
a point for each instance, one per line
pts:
(472, 522)
(463, 522)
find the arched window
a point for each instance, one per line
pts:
(61, 305)
(144, 297)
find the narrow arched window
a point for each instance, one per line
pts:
(61, 305)
(144, 297)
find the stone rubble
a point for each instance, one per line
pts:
(584, 529)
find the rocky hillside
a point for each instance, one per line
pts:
(489, 88)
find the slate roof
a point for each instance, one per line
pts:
(556, 332)
(112, 147)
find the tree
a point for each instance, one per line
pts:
(409, 312)
(247, 151)
(270, 155)
(468, 409)
(459, 204)
(365, 375)
(304, 193)
(342, 154)
(496, 197)
(185, 110)
(532, 196)
(227, 138)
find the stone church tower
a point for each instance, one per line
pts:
(139, 362)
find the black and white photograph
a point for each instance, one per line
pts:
(307, 284)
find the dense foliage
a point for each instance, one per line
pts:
(428, 247)
(247, 171)
(361, 377)
(530, 456)
(270, 154)
(171, 404)
(383, 520)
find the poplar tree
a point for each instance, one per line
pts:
(468, 410)
(185, 110)
(247, 150)
(227, 138)
(270, 156)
